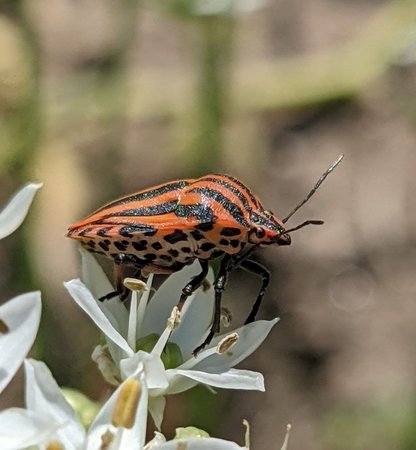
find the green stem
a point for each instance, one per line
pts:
(216, 39)
(111, 80)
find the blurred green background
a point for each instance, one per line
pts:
(100, 98)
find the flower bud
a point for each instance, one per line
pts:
(190, 432)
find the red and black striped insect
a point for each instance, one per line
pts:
(164, 228)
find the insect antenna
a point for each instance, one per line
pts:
(304, 224)
(314, 189)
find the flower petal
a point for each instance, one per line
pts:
(153, 369)
(132, 438)
(20, 428)
(13, 214)
(200, 444)
(250, 338)
(231, 379)
(196, 317)
(44, 397)
(86, 301)
(158, 440)
(21, 315)
(156, 410)
(166, 297)
(96, 280)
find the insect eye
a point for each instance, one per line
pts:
(260, 233)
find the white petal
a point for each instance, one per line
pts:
(44, 397)
(250, 338)
(231, 379)
(156, 410)
(153, 368)
(201, 444)
(95, 279)
(196, 318)
(166, 297)
(133, 438)
(86, 301)
(13, 214)
(21, 315)
(159, 439)
(20, 428)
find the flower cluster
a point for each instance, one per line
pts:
(146, 354)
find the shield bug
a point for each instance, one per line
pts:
(166, 227)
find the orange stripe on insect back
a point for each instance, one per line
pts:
(243, 191)
(231, 196)
(140, 205)
(198, 198)
(191, 198)
(233, 190)
(154, 191)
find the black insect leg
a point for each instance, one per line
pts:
(257, 269)
(194, 284)
(118, 278)
(219, 286)
(121, 291)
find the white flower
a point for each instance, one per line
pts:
(120, 424)
(199, 444)
(191, 438)
(13, 214)
(141, 335)
(19, 323)
(19, 317)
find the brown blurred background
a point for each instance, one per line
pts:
(100, 98)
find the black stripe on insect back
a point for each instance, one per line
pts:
(202, 212)
(270, 224)
(152, 193)
(232, 189)
(153, 210)
(227, 204)
(131, 229)
(244, 188)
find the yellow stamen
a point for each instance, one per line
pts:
(226, 317)
(4, 329)
(247, 435)
(227, 342)
(106, 439)
(286, 441)
(135, 285)
(206, 285)
(55, 445)
(174, 319)
(125, 410)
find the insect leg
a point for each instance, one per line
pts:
(219, 286)
(118, 278)
(121, 290)
(258, 269)
(194, 284)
